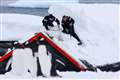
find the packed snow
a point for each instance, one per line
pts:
(98, 31)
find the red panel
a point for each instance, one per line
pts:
(6, 56)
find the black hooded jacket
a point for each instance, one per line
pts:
(48, 21)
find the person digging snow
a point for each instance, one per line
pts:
(48, 23)
(68, 27)
(49, 20)
(52, 24)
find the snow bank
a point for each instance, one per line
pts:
(97, 26)
(40, 3)
(17, 26)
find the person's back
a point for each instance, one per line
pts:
(65, 25)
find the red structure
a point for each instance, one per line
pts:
(40, 35)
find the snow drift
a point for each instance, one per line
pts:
(19, 26)
(97, 26)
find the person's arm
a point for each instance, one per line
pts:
(44, 21)
(58, 22)
(71, 25)
(71, 22)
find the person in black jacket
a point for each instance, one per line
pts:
(48, 21)
(68, 27)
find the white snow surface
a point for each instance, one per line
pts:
(96, 25)
(69, 76)
(19, 26)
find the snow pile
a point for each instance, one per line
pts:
(19, 26)
(97, 26)
(40, 3)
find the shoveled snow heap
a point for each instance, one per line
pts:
(98, 31)
(97, 26)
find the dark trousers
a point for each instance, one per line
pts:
(53, 67)
(75, 36)
(71, 31)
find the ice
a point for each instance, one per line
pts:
(18, 62)
(22, 61)
(31, 62)
(45, 60)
